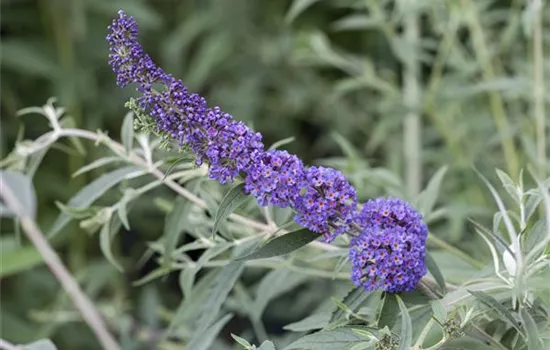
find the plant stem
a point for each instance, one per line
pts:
(81, 301)
(495, 101)
(538, 88)
(411, 97)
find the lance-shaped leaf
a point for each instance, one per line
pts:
(284, 244)
(405, 337)
(492, 303)
(232, 200)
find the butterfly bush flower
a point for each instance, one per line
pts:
(388, 249)
(276, 178)
(390, 252)
(329, 203)
(229, 146)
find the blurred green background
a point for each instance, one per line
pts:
(387, 91)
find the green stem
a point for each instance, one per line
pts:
(411, 97)
(538, 88)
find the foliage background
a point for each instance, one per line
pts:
(331, 73)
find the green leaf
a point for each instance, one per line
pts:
(436, 272)
(389, 312)
(337, 339)
(20, 259)
(406, 326)
(427, 198)
(216, 296)
(232, 200)
(95, 164)
(42, 344)
(241, 341)
(508, 185)
(315, 321)
(284, 244)
(355, 298)
(22, 188)
(533, 338)
(153, 275)
(267, 345)
(93, 191)
(439, 311)
(493, 304)
(203, 340)
(282, 142)
(105, 239)
(175, 222)
(297, 7)
(275, 283)
(127, 132)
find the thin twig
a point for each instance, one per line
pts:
(81, 301)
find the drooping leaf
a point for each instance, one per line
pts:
(232, 200)
(389, 312)
(127, 132)
(22, 188)
(439, 311)
(405, 337)
(93, 191)
(436, 272)
(267, 345)
(493, 304)
(203, 340)
(95, 164)
(19, 259)
(105, 239)
(282, 142)
(241, 341)
(352, 301)
(531, 330)
(284, 244)
(175, 221)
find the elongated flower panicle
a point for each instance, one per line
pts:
(276, 178)
(329, 203)
(390, 252)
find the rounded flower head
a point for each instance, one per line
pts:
(390, 252)
(276, 178)
(328, 204)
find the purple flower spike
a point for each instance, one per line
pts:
(329, 203)
(276, 178)
(390, 253)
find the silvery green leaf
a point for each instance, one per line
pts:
(21, 186)
(202, 340)
(93, 191)
(439, 311)
(105, 238)
(428, 197)
(175, 222)
(284, 244)
(531, 330)
(127, 132)
(356, 22)
(232, 200)
(352, 301)
(436, 272)
(493, 304)
(267, 345)
(389, 312)
(216, 296)
(405, 337)
(95, 164)
(275, 283)
(313, 322)
(242, 341)
(337, 339)
(509, 185)
(42, 344)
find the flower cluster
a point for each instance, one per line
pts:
(276, 178)
(329, 203)
(390, 252)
